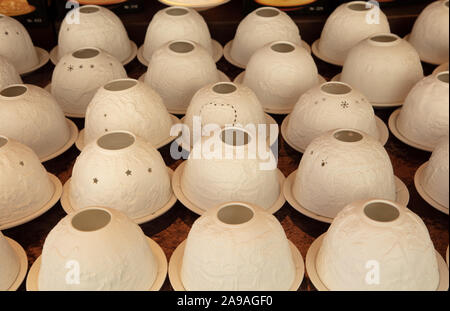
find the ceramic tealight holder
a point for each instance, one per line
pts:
(376, 245)
(177, 23)
(98, 249)
(340, 167)
(229, 165)
(79, 75)
(329, 106)
(8, 74)
(430, 35)
(178, 70)
(279, 73)
(13, 264)
(350, 23)
(121, 171)
(26, 189)
(129, 105)
(17, 47)
(32, 116)
(423, 120)
(383, 67)
(236, 247)
(262, 26)
(94, 26)
(431, 179)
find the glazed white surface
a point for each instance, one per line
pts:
(138, 109)
(34, 119)
(16, 44)
(76, 80)
(177, 76)
(403, 249)
(116, 257)
(317, 112)
(254, 256)
(435, 176)
(279, 79)
(430, 35)
(24, 183)
(425, 113)
(144, 191)
(255, 31)
(8, 74)
(164, 28)
(384, 72)
(9, 264)
(101, 29)
(333, 174)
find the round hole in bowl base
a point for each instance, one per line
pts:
(176, 264)
(176, 185)
(23, 261)
(394, 130)
(52, 202)
(32, 283)
(314, 277)
(43, 57)
(68, 208)
(401, 191)
(319, 55)
(418, 177)
(72, 139)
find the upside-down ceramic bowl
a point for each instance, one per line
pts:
(9, 264)
(330, 106)
(130, 105)
(261, 27)
(383, 67)
(279, 73)
(79, 75)
(340, 167)
(430, 35)
(8, 74)
(31, 116)
(94, 26)
(178, 70)
(237, 247)
(96, 249)
(377, 245)
(424, 117)
(350, 23)
(121, 171)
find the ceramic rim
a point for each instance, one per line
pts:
(73, 137)
(43, 56)
(313, 275)
(68, 208)
(176, 263)
(52, 202)
(194, 6)
(319, 55)
(401, 191)
(23, 261)
(423, 194)
(176, 185)
(422, 58)
(441, 68)
(394, 130)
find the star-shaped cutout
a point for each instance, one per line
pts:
(21, 163)
(128, 173)
(70, 68)
(95, 181)
(345, 105)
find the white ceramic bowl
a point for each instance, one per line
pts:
(25, 186)
(123, 172)
(31, 116)
(383, 67)
(130, 105)
(226, 167)
(8, 74)
(199, 5)
(178, 70)
(279, 73)
(9, 263)
(330, 106)
(97, 27)
(104, 247)
(16, 44)
(424, 117)
(261, 27)
(350, 23)
(377, 236)
(237, 247)
(79, 75)
(430, 35)
(340, 167)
